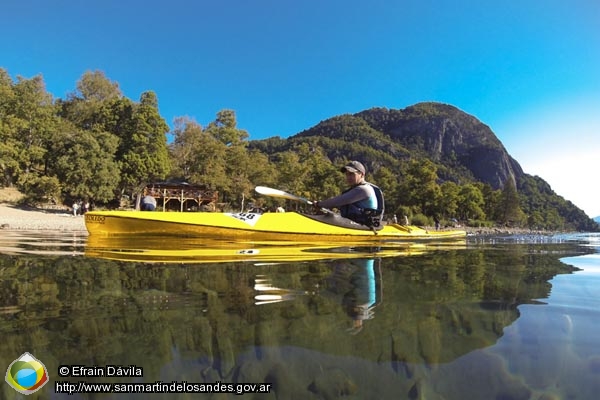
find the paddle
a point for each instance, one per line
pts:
(267, 191)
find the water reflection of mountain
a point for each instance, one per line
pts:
(431, 309)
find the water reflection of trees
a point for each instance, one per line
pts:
(434, 308)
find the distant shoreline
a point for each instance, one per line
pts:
(33, 219)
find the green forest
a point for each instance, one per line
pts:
(99, 145)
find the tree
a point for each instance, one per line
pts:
(92, 105)
(553, 220)
(535, 220)
(238, 167)
(145, 155)
(186, 143)
(510, 211)
(9, 140)
(290, 171)
(228, 156)
(388, 183)
(323, 179)
(224, 128)
(448, 200)
(32, 124)
(199, 156)
(306, 171)
(491, 198)
(84, 163)
(40, 189)
(96, 87)
(420, 188)
(470, 202)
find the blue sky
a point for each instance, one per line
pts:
(528, 69)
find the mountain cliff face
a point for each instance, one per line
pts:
(440, 132)
(445, 133)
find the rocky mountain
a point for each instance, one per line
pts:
(463, 147)
(448, 136)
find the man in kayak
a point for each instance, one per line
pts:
(362, 202)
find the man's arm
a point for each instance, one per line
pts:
(355, 194)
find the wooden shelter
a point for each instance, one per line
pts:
(173, 196)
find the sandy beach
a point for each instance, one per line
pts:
(17, 218)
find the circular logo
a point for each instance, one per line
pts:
(26, 374)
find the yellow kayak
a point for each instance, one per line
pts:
(288, 226)
(202, 250)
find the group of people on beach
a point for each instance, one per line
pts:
(81, 207)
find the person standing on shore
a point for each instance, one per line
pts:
(148, 203)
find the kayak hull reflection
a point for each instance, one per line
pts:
(204, 250)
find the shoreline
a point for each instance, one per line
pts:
(15, 218)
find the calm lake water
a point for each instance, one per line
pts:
(498, 318)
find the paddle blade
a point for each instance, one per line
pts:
(267, 191)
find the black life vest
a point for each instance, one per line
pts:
(370, 217)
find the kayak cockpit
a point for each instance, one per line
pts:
(337, 220)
